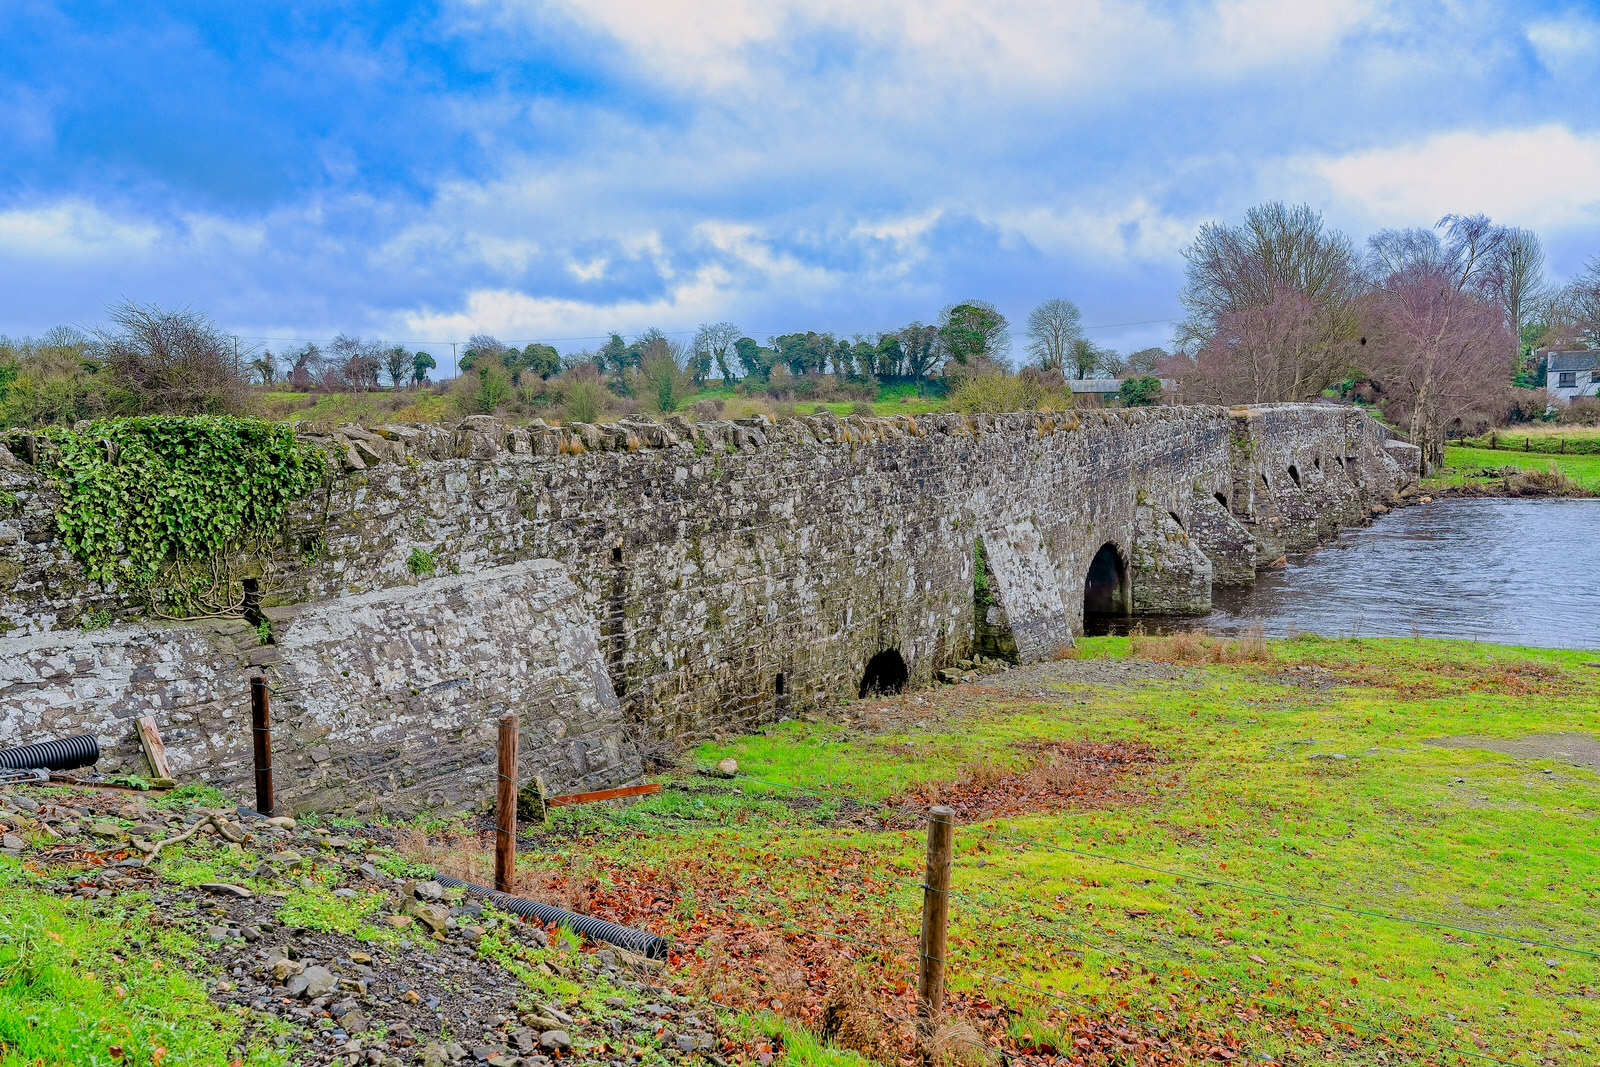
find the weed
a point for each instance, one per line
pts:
(421, 563)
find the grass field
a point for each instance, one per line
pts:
(1309, 771)
(1467, 467)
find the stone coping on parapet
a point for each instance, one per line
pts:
(489, 437)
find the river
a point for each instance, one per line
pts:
(1520, 572)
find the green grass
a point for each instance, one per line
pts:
(82, 982)
(1465, 466)
(1456, 835)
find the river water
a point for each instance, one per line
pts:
(1521, 572)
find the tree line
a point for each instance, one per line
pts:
(1440, 326)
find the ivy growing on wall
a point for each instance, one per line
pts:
(178, 509)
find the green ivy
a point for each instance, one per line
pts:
(179, 509)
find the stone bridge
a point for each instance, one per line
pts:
(630, 586)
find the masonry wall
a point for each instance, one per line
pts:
(628, 587)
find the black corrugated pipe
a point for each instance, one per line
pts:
(60, 755)
(643, 942)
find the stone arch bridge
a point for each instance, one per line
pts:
(628, 586)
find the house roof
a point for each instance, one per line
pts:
(1560, 361)
(1094, 385)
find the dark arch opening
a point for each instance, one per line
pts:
(777, 684)
(1174, 516)
(1294, 474)
(1105, 588)
(885, 675)
(1264, 480)
(1221, 500)
(1317, 463)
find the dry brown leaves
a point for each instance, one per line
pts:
(1061, 775)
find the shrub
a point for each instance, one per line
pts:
(1141, 391)
(585, 401)
(861, 407)
(421, 563)
(170, 363)
(995, 393)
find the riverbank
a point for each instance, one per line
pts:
(1156, 837)
(1502, 472)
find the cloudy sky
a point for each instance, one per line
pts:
(541, 169)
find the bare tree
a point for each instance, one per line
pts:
(352, 362)
(170, 362)
(1580, 304)
(1145, 360)
(1439, 333)
(1281, 261)
(1517, 279)
(1052, 327)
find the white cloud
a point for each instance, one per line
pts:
(716, 45)
(73, 230)
(1546, 176)
(1564, 44)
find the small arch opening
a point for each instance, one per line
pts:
(616, 554)
(1264, 481)
(1294, 474)
(1221, 499)
(1105, 588)
(886, 674)
(1173, 515)
(1317, 463)
(777, 684)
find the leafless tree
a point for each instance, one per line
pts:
(1282, 274)
(353, 362)
(1580, 304)
(1516, 278)
(1145, 360)
(1052, 327)
(1439, 334)
(170, 362)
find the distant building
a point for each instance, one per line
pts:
(1108, 389)
(1573, 374)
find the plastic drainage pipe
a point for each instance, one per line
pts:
(643, 942)
(64, 754)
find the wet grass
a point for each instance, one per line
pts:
(1306, 774)
(1466, 467)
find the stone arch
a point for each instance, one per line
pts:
(1106, 588)
(991, 624)
(1294, 474)
(886, 673)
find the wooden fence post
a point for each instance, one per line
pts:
(261, 729)
(935, 912)
(505, 842)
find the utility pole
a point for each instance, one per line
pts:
(452, 359)
(505, 843)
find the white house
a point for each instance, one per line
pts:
(1573, 374)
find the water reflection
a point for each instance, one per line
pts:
(1524, 572)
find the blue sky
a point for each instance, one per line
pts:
(550, 170)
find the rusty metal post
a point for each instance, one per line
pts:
(261, 730)
(935, 912)
(505, 841)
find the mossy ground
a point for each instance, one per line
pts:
(1308, 774)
